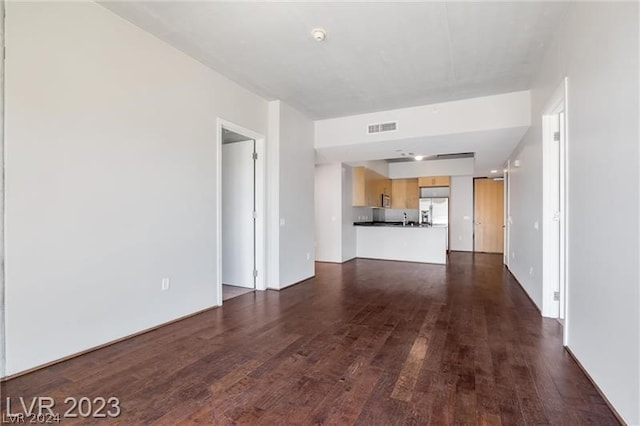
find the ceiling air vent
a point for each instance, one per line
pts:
(390, 126)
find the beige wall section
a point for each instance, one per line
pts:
(110, 179)
(597, 49)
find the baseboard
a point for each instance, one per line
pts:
(297, 282)
(523, 290)
(595, 385)
(403, 261)
(337, 262)
(104, 345)
(292, 284)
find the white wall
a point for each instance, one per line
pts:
(110, 179)
(597, 48)
(461, 213)
(469, 115)
(2, 277)
(273, 196)
(296, 195)
(411, 169)
(335, 233)
(525, 184)
(348, 230)
(328, 212)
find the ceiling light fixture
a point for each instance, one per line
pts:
(419, 157)
(494, 171)
(319, 34)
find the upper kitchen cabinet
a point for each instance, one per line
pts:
(405, 193)
(368, 187)
(413, 193)
(425, 181)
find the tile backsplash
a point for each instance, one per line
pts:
(363, 214)
(396, 215)
(368, 214)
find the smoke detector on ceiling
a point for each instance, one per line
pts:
(319, 34)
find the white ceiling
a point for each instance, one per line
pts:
(377, 56)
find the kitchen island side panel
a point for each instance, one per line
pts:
(410, 244)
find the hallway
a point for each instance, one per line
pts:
(368, 342)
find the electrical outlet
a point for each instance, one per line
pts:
(282, 221)
(308, 256)
(531, 271)
(166, 283)
(459, 237)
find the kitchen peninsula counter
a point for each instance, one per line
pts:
(394, 241)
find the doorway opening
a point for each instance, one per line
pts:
(240, 211)
(488, 215)
(554, 207)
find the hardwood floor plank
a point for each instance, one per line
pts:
(367, 342)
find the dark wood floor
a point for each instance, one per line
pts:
(368, 342)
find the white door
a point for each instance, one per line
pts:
(238, 231)
(562, 144)
(554, 206)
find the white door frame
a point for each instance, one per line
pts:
(260, 188)
(550, 266)
(507, 213)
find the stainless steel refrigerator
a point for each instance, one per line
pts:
(434, 211)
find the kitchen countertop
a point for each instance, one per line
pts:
(396, 224)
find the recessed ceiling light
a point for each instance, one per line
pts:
(494, 171)
(319, 34)
(419, 157)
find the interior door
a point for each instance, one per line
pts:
(488, 205)
(238, 223)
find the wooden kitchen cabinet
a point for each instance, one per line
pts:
(368, 187)
(413, 193)
(359, 187)
(404, 194)
(425, 181)
(398, 193)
